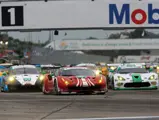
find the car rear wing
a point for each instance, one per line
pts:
(114, 65)
(7, 65)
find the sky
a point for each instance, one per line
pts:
(44, 35)
(67, 34)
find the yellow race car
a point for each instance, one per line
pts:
(157, 69)
(103, 68)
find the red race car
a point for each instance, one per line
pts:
(75, 79)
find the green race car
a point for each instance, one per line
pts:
(134, 78)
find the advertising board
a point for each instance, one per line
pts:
(107, 44)
(78, 14)
(131, 59)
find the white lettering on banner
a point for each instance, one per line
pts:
(76, 15)
(12, 15)
(137, 59)
(107, 44)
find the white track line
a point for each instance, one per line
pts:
(115, 118)
(21, 100)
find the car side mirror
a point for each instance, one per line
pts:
(50, 77)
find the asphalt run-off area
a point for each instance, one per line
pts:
(36, 106)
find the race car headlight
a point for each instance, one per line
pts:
(112, 68)
(121, 78)
(66, 82)
(41, 77)
(11, 79)
(98, 72)
(100, 81)
(152, 77)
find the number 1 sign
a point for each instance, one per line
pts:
(12, 16)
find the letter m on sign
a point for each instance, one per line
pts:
(114, 14)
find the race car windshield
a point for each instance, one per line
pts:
(47, 68)
(26, 71)
(7, 66)
(78, 72)
(50, 69)
(132, 70)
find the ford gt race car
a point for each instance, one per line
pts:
(134, 78)
(21, 76)
(75, 79)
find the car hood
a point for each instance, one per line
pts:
(144, 76)
(27, 78)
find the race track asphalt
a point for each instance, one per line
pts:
(36, 106)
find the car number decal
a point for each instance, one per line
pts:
(27, 79)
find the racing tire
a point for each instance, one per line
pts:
(112, 86)
(109, 83)
(11, 89)
(155, 89)
(107, 79)
(102, 93)
(2, 86)
(56, 91)
(1, 89)
(44, 91)
(88, 93)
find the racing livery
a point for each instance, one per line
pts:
(21, 76)
(135, 77)
(111, 68)
(75, 79)
(45, 71)
(114, 67)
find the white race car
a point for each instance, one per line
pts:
(134, 78)
(22, 76)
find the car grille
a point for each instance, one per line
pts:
(139, 84)
(136, 77)
(84, 88)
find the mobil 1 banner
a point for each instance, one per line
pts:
(102, 14)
